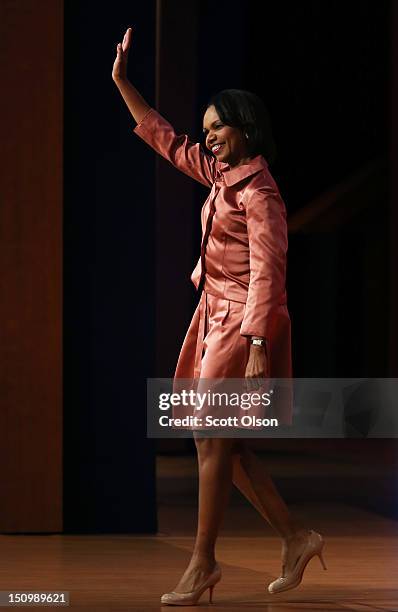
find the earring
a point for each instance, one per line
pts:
(246, 135)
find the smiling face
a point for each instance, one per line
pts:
(227, 143)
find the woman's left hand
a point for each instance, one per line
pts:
(257, 367)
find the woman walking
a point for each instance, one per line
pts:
(241, 327)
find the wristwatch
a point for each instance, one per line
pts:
(258, 341)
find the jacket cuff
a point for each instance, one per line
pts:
(251, 332)
(142, 122)
(254, 325)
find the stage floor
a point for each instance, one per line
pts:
(128, 572)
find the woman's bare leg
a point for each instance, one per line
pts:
(241, 480)
(215, 480)
(251, 478)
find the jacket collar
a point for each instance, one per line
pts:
(234, 175)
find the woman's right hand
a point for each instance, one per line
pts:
(119, 71)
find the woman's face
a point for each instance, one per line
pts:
(227, 143)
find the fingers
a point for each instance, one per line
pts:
(256, 371)
(127, 39)
(255, 381)
(251, 385)
(125, 44)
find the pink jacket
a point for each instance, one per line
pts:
(244, 230)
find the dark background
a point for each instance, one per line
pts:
(323, 70)
(109, 291)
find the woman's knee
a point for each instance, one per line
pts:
(214, 446)
(242, 452)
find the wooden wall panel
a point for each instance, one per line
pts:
(31, 67)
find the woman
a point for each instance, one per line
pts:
(241, 328)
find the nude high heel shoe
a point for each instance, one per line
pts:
(191, 598)
(293, 578)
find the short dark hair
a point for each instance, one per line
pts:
(245, 110)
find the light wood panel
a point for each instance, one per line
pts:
(131, 573)
(128, 572)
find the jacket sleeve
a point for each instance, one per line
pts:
(267, 233)
(187, 156)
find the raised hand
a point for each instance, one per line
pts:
(119, 71)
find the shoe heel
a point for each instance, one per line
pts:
(321, 559)
(211, 593)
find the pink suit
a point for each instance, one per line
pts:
(242, 264)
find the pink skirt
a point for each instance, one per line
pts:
(213, 348)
